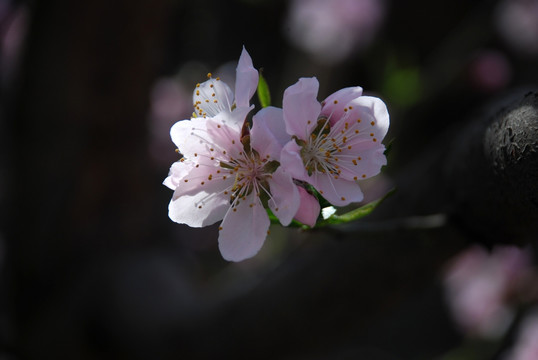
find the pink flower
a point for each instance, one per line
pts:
(335, 143)
(230, 177)
(479, 284)
(526, 346)
(213, 96)
(333, 30)
(309, 208)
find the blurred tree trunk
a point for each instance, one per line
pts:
(78, 177)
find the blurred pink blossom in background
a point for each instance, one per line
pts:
(479, 286)
(14, 22)
(333, 30)
(517, 23)
(490, 71)
(169, 102)
(526, 345)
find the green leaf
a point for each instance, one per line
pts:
(263, 92)
(355, 214)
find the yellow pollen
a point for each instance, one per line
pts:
(218, 126)
(321, 192)
(224, 177)
(343, 198)
(356, 131)
(351, 107)
(210, 177)
(309, 122)
(186, 180)
(202, 183)
(233, 141)
(218, 79)
(355, 178)
(345, 109)
(371, 134)
(358, 121)
(215, 101)
(198, 85)
(359, 158)
(354, 162)
(375, 139)
(335, 102)
(235, 209)
(372, 123)
(268, 232)
(197, 92)
(209, 75)
(226, 193)
(206, 100)
(195, 154)
(349, 147)
(363, 176)
(220, 228)
(200, 206)
(211, 87)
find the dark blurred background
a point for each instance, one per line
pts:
(91, 267)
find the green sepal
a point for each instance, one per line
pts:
(388, 147)
(264, 96)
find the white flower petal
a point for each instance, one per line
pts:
(200, 209)
(268, 134)
(212, 97)
(246, 81)
(301, 109)
(285, 196)
(243, 230)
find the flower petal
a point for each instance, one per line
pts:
(189, 135)
(373, 114)
(309, 208)
(285, 196)
(367, 163)
(243, 230)
(201, 208)
(212, 97)
(339, 192)
(246, 80)
(334, 104)
(301, 108)
(177, 172)
(291, 162)
(268, 134)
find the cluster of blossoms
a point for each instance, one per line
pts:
(234, 169)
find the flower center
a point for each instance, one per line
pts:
(251, 174)
(319, 152)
